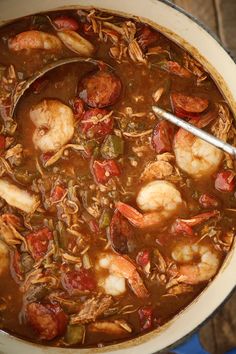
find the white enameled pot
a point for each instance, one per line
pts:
(188, 33)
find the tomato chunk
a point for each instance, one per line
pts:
(95, 124)
(162, 137)
(48, 321)
(120, 232)
(208, 201)
(76, 281)
(65, 22)
(146, 317)
(57, 193)
(104, 170)
(38, 242)
(225, 181)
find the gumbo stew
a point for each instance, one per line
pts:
(111, 220)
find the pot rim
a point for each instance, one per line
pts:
(184, 337)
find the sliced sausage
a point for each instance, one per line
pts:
(189, 104)
(100, 89)
(49, 320)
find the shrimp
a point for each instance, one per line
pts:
(203, 269)
(34, 40)
(121, 268)
(17, 197)
(4, 258)
(76, 43)
(195, 156)
(54, 123)
(160, 200)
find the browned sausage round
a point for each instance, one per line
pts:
(190, 104)
(100, 89)
(49, 320)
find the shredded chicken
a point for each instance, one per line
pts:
(91, 309)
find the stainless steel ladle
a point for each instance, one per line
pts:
(195, 131)
(23, 86)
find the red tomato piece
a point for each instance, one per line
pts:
(38, 242)
(145, 317)
(76, 281)
(143, 258)
(2, 142)
(66, 23)
(225, 181)
(120, 232)
(104, 170)
(48, 321)
(208, 201)
(146, 37)
(162, 137)
(188, 104)
(95, 125)
(57, 193)
(78, 108)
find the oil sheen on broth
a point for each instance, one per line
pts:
(112, 221)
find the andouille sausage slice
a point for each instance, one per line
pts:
(48, 320)
(100, 89)
(189, 104)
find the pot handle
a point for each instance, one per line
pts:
(191, 345)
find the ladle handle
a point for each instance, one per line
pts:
(195, 131)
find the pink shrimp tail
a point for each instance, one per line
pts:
(130, 213)
(198, 219)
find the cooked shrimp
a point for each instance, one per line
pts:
(4, 258)
(195, 156)
(34, 40)
(121, 268)
(159, 200)
(203, 269)
(54, 125)
(18, 198)
(76, 43)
